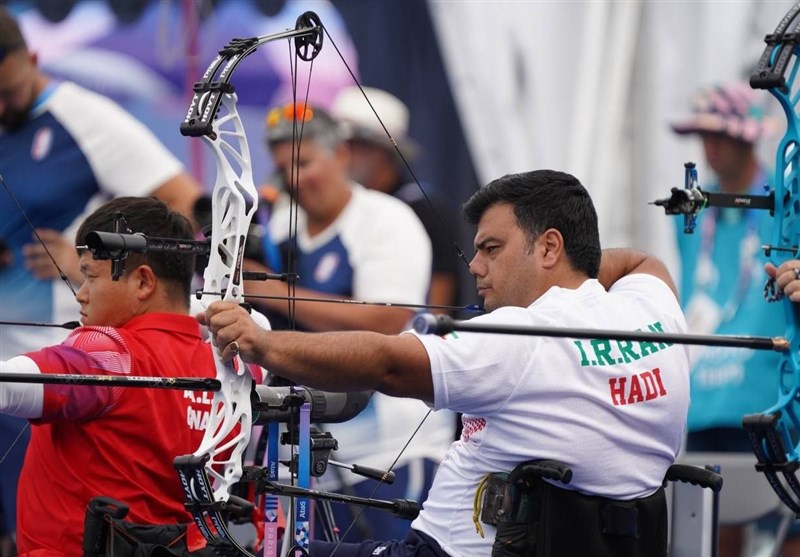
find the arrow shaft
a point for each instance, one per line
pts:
(442, 324)
(175, 383)
(778, 344)
(68, 325)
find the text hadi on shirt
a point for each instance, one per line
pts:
(639, 387)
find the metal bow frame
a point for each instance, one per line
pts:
(208, 474)
(774, 434)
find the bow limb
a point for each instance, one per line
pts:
(774, 432)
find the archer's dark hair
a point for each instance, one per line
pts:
(545, 199)
(11, 38)
(151, 217)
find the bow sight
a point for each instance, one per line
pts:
(117, 247)
(690, 200)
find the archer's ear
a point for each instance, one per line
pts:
(144, 281)
(551, 242)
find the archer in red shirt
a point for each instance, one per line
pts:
(113, 441)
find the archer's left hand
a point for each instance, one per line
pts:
(787, 278)
(233, 331)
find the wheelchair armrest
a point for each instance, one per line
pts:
(686, 473)
(238, 509)
(548, 469)
(95, 524)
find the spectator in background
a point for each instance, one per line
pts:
(722, 280)
(359, 244)
(375, 163)
(63, 150)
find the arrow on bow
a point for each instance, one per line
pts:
(443, 324)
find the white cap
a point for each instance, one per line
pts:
(360, 123)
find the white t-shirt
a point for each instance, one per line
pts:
(614, 411)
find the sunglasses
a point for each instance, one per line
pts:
(293, 112)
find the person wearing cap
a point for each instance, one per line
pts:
(356, 244)
(722, 276)
(376, 163)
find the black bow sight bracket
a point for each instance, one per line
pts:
(215, 83)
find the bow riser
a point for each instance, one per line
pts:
(787, 233)
(774, 432)
(208, 475)
(234, 202)
(787, 228)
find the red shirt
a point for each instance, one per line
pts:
(112, 441)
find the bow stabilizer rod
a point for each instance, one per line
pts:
(403, 508)
(443, 324)
(690, 200)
